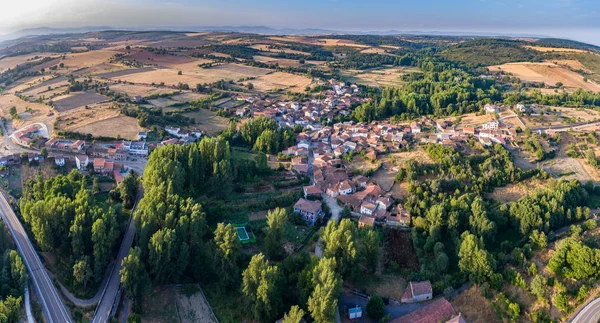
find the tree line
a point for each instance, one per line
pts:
(13, 278)
(64, 217)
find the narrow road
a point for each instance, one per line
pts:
(589, 314)
(109, 294)
(52, 304)
(330, 201)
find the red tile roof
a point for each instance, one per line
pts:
(437, 311)
(308, 206)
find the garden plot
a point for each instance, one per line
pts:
(139, 90)
(79, 100)
(193, 306)
(281, 80)
(119, 126)
(194, 76)
(126, 72)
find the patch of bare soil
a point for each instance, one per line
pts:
(193, 308)
(474, 307)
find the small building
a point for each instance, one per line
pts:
(142, 135)
(311, 211)
(59, 160)
(82, 161)
(367, 208)
(355, 312)
(366, 221)
(77, 145)
(103, 167)
(138, 148)
(492, 125)
(490, 108)
(312, 191)
(172, 131)
(417, 292)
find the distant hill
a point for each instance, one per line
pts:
(566, 43)
(487, 52)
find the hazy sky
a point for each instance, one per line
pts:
(576, 19)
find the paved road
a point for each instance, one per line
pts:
(51, 302)
(109, 294)
(589, 314)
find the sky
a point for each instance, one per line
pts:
(574, 19)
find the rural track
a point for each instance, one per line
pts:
(52, 304)
(112, 288)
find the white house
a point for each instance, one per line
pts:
(59, 160)
(367, 208)
(490, 108)
(82, 161)
(138, 148)
(173, 131)
(417, 292)
(492, 125)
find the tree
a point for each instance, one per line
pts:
(228, 247)
(82, 272)
(561, 300)
(250, 86)
(369, 249)
(10, 309)
(95, 185)
(128, 189)
(573, 259)
(262, 285)
(179, 72)
(295, 315)
(276, 220)
(44, 152)
(134, 278)
(13, 112)
(538, 239)
(474, 260)
(538, 286)
(375, 308)
(339, 243)
(322, 302)
(346, 212)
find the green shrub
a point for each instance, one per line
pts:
(375, 308)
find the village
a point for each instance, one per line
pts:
(324, 151)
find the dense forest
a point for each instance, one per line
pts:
(13, 278)
(441, 89)
(64, 216)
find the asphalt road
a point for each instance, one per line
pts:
(589, 314)
(102, 313)
(52, 304)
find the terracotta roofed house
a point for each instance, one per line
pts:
(417, 292)
(312, 191)
(438, 311)
(311, 211)
(366, 221)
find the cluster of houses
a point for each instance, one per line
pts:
(30, 136)
(339, 100)
(326, 147)
(181, 136)
(104, 158)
